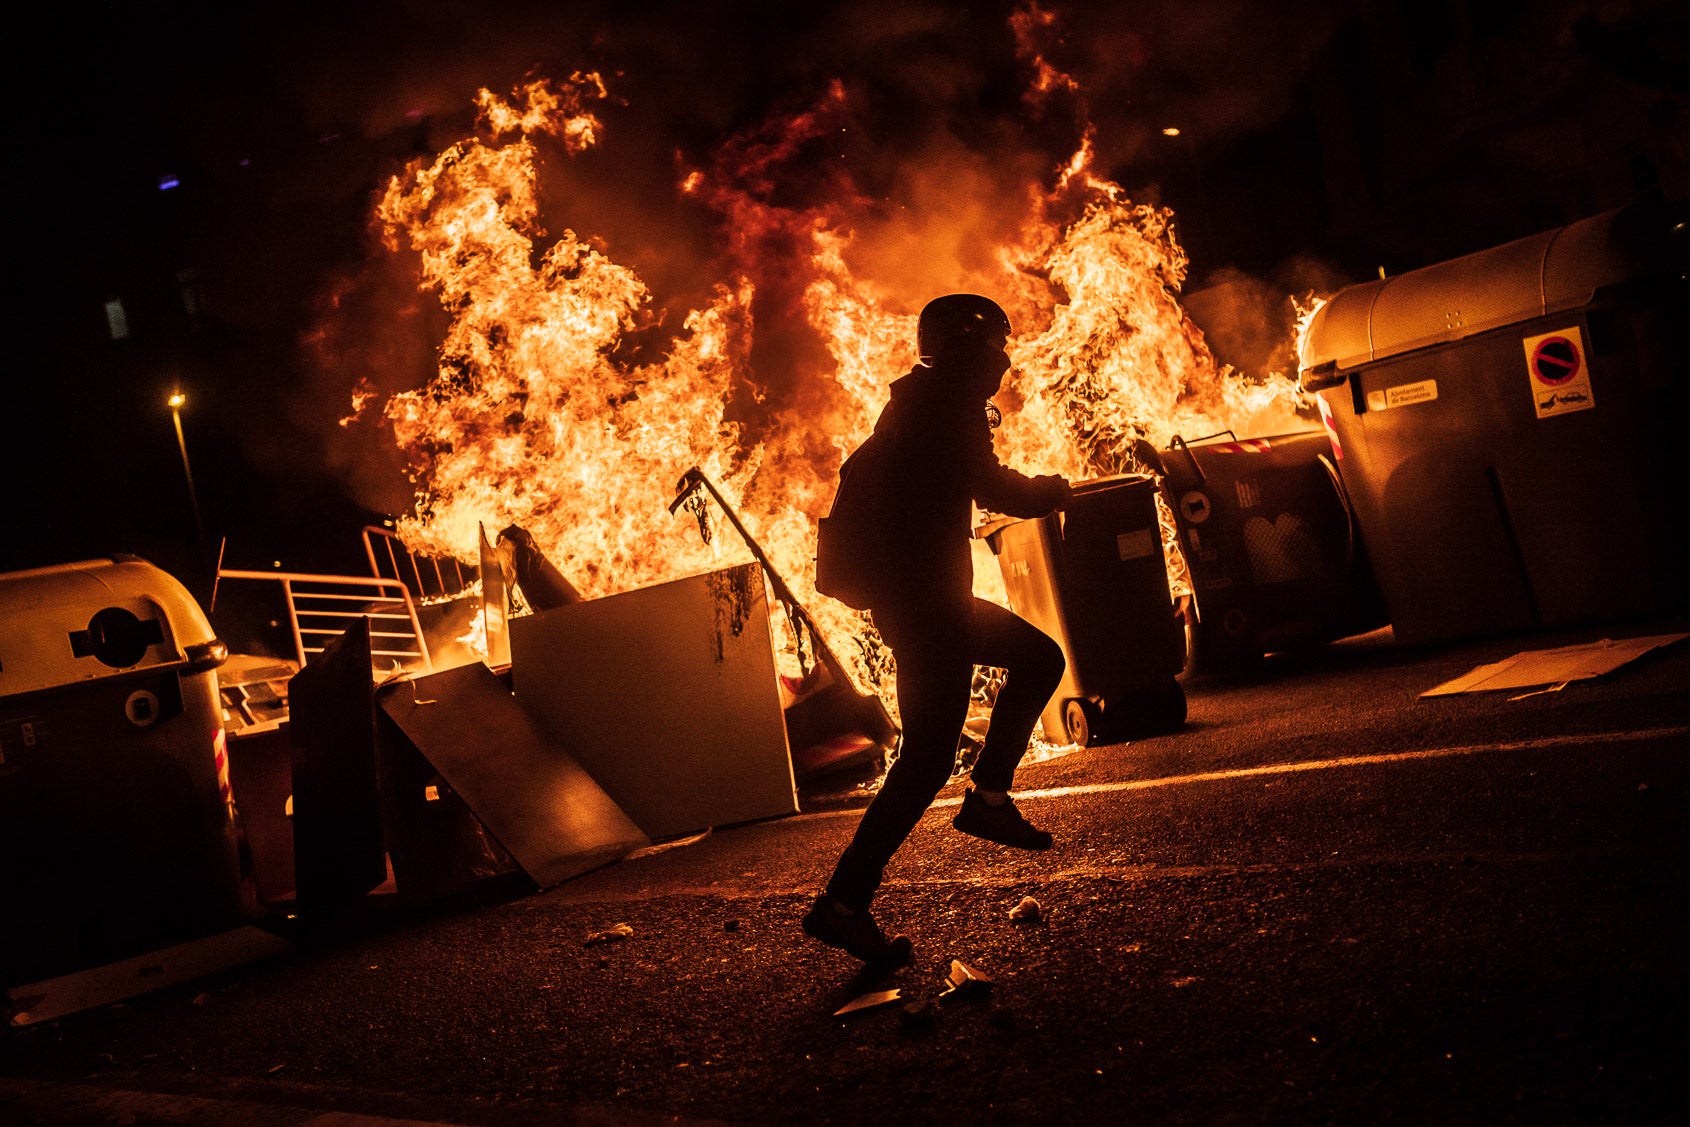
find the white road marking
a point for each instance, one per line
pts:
(1345, 761)
(1311, 765)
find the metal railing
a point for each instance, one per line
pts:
(321, 607)
(428, 578)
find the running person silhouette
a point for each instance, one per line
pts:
(898, 547)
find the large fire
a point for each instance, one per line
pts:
(566, 403)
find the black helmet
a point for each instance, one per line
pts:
(949, 320)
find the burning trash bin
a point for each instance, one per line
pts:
(1505, 425)
(1093, 577)
(116, 822)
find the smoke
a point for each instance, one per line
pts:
(284, 124)
(1214, 69)
(921, 133)
(1251, 321)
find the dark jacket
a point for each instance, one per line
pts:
(906, 496)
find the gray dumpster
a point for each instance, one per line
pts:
(1506, 426)
(116, 822)
(1274, 557)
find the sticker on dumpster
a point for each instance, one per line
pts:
(1135, 545)
(1402, 395)
(1560, 379)
(1194, 506)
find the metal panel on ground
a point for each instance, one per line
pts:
(533, 796)
(438, 848)
(53, 998)
(667, 696)
(337, 840)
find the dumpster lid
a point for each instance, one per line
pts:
(1549, 272)
(1099, 484)
(82, 621)
(995, 521)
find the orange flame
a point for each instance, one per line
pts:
(538, 416)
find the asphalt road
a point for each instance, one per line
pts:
(1325, 900)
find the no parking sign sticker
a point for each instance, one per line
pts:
(1560, 374)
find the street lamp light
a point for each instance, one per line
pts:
(1200, 189)
(176, 402)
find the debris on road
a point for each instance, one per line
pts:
(614, 934)
(966, 983)
(1028, 911)
(1555, 668)
(868, 1001)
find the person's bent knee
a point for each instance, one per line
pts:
(1046, 664)
(923, 775)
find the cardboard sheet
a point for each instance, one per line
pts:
(530, 793)
(1554, 667)
(667, 696)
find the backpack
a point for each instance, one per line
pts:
(849, 556)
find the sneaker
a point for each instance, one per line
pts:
(854, 932)
(1002, 824)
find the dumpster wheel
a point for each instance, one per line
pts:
(1148, 712)
(1129, 716)
(1165, 709)
(1083, 719)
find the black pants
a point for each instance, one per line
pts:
(935, 654)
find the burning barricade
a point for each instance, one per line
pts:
(604, 678)
(161, 798)
(385, 751)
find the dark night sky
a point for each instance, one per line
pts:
(1321, 142)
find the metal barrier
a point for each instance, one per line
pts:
(428, 578)
(321, 606)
